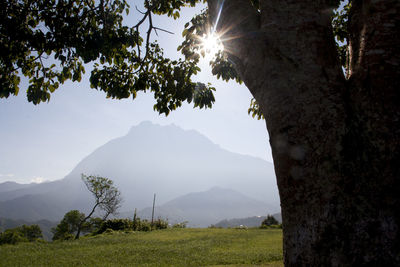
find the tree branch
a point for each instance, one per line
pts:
(163, 30)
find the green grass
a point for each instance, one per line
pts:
(172, 247)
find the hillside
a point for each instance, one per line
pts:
(165, 160)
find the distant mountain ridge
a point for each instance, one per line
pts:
(201, 209)
(166, 160)
(254, 221)
(11, 186)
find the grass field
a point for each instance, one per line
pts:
(172, 247)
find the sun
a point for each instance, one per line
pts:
(211, 44)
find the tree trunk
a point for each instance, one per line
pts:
(78, 232)
(335, 142)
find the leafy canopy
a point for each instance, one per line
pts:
(107, 196)
(49, 41)
(68, 226)
(339, 25)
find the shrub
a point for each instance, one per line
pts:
(11, 236)
(22, 233)
(128, 225)
(180, 225)
(144, 225)
(32, 232)
(116, 225)
(63, 236)
(160, 224)
(141, 225)
(93, 225)
(109, 231)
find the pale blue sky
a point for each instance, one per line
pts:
(46, 141)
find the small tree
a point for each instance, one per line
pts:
(31, 232)
(107, 197)
(68, 226)
(270, 220)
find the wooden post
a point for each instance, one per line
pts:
(134, 221)
(152, 214)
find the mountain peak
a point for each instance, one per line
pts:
(217, 189)
(143, 125)
(171, 133)
(149, 125)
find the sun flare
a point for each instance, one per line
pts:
(211, 44)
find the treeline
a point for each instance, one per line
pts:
(268, 221)
(45, 226)
(24, 233)
(67, 228)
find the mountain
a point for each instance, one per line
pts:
(165, 160)
(45, 201)
(11, 186)
(201, 209)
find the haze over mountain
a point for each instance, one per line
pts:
(11, 186)
(165, 160)
(201, 209)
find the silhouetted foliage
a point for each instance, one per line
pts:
(50, 41)
(269, 221)
(116, 225)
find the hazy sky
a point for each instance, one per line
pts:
(46, 141)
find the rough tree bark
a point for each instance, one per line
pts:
(335, 141)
